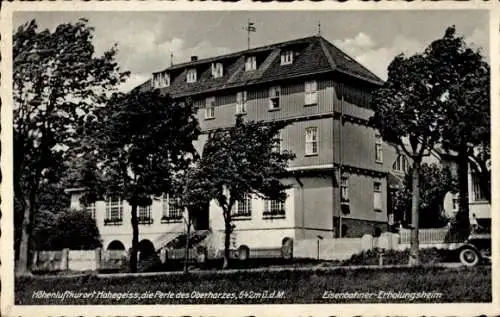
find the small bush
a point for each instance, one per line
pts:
(396, 257)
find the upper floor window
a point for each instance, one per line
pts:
(311, 141)
(171, 209)
(287, 57)
(90, 208)
(114, 210)
(250, 63)
(274, 97)
(243, 208)
(144, 215)
(477, 192)
(400, 164)
(274, 208)
(241, 102)
(311, 96)
(377, 196)
(217, 70)
(210, 108)
(344, 188)
(379, 158)
(161, 80)
(191, 75)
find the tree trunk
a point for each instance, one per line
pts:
(227, 241)
(415, 204)
(462, 218)
(227, 235)
(135, 239)
(25, 246)
(23, 262)
(186, 249)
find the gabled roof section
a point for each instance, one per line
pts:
(346, 64)
(313, 55)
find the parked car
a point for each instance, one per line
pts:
(475, 250)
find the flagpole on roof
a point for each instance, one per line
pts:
(249, 28)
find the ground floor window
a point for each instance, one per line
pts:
(172, 210)
(243, 208)
(144, 215)
(114, 211)
(377, 196)
(274, 208)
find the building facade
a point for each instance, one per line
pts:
(339, 176)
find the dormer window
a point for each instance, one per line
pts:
(161, 80)
(250, 63)
(191, 75)
(217, 70)
(287, 57)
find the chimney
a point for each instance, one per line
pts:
(194, 58)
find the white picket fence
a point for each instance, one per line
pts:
(425, 236)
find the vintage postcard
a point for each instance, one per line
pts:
(221, 159)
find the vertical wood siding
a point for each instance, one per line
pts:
(291, 104)
(361, 198)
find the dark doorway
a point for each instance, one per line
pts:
(201, 217)
(146, 249)
(116, 245)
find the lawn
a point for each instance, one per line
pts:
(245, 287)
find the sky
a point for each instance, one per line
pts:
(147, 39)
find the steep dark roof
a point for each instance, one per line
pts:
(314, 55)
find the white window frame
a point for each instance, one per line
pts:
(274, 209)
(344, 189)
(274, 95)
(477, 192)
(209, 107)
(191, 75)
(250, 63)
(287, 57)
(243, 208)
(377, 196)
(170, 211)
(379, 152)
(217, 70)
(241, 102)
(144, 214)
(114, 205)
(310, 92)
(400, 164)
(311, 141)
(161, 80)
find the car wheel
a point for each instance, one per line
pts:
(243, 253)
(469, 257)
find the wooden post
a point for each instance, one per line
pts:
(97, 259)
(65, 260)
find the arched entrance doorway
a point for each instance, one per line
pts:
(146, 249)
(116, 245)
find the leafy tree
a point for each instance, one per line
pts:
(239, 161)
(57, 82)
(72, 229)
(408, 113)
(435, 183)
(466, 76)
(141, 141)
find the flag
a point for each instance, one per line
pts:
(251, 27)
